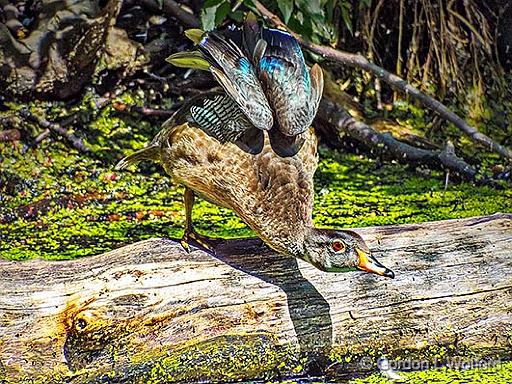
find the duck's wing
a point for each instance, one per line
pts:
(216, 114)
(235, 73)
(293, 91)
(220, 117)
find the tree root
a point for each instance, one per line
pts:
(359, 61)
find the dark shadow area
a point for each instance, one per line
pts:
(308, 309)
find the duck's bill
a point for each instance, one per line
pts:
(369, 263)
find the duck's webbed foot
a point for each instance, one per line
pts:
(194, 239)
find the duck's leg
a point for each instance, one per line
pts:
(191, 237)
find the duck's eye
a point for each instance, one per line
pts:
(338, 246)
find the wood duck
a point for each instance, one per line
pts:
(266, 76)
(215, 146)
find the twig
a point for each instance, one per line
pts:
(74, 140)
(394, 81)
(386, 144)
(42, 136)
(446, 181)
(172, 8)
(147, 111)
(399, 60)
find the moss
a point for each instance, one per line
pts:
(226, 358)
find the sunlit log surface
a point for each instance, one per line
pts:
(151, 311)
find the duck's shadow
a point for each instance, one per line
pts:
(308, 309)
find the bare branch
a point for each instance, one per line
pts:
(172, 8)
(386, 144)
(74, 140)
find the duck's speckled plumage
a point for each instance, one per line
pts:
(273, 195)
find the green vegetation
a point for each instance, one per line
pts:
(59, 204)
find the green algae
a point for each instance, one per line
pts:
(358, 192)
(221, 359)
(224, 359)
(57, 204)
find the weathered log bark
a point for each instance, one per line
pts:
(151, 311)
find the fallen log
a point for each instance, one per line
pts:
(151, 312)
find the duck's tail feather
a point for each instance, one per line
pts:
(149, 153)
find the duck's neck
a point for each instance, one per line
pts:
(297, 247)
(291, 243)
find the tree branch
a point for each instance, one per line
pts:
(172, 8)
(386, 144)
(74, 140)
(358, 61)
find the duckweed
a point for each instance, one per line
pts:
(58, 204)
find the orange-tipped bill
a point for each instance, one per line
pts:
(369, 263)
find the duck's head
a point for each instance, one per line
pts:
(340, 251)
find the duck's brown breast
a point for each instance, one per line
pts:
(273, 195)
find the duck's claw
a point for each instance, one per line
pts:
(194, 239)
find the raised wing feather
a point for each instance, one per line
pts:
(235, 73)
(291, 91)
(221, 118)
